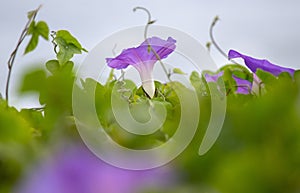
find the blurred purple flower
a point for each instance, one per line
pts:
(243, 86)
(76, 170)
(143, 59)
(254, 64)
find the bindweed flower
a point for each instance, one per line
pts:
(243, 86)
(143, 59)
(213, 77)
(253, 64)
(76, 170)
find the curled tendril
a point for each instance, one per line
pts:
(213, 41)
(125, 91)
(149, 22)
(53, 34)
(122, 76)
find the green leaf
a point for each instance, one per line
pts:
(285, 75)
(265, 77)
(66, 53)
(195, 79)
(67, 67)
(230, 83)
(13, 128)
(36, 30)
(43, 29)
(31, 28)
(30, 14)
(68, 46)
(178, 71)
(53, 66)
(238, 71)
(32, 44)
(297, 76)
(68, 38)
(35, 119)
(34, 81)
(198, 83)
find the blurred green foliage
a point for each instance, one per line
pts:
(258, 149)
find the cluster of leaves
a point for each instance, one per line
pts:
(139, 105)
(258, 149)
(254, 149)
(26, 133)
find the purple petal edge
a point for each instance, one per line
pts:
(139, 56)
(214, 77)
(253, 64)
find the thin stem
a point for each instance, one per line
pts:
(149, 22)
(11, 60)
(213, 41)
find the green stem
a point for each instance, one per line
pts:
(149, 22)
(11, 60)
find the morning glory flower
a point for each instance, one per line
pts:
(76, 170)
(143, 59)
(213, 77)
(243, 86)
(253, 64)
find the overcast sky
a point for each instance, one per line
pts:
(263, 29)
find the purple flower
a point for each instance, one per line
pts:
(243, 86)
(143, 59)
(254, 64)
(213, 77)
(76, 170)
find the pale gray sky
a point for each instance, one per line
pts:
(264, 29)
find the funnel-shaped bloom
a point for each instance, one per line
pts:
(253, 64)
(143, 59)
(243, 86)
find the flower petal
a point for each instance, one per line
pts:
(76, 170)
(214, 77)
(254, 64)
(143, 59)
(161, 47)
(243, 86)
(142, 55)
